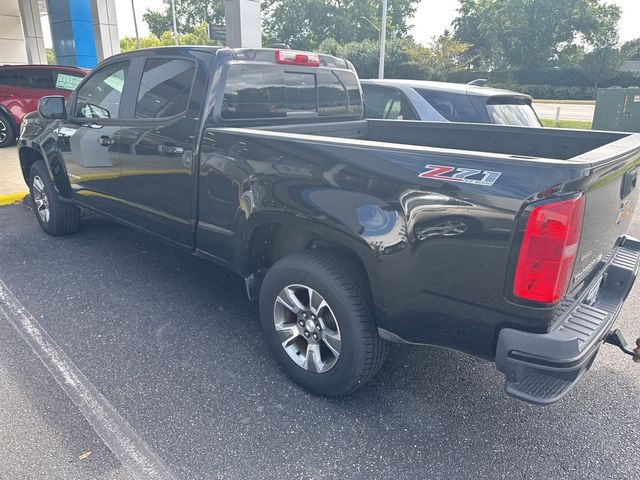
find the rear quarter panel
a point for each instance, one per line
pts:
(428, 287)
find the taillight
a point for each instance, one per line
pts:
(291, 57)
(548, 251)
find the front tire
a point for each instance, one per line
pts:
(317, 317)
(54, 216)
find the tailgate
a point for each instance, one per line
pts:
(611, 197)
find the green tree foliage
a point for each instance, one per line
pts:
(400, 61)
(189, 14)
(404, 58)
(532, 34)
(198, 36)
(51, 56)
(305, 24)
(442, 57)
(631, 50)
(604, 59)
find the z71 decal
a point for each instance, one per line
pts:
(463, 175)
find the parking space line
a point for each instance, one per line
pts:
(131, 450)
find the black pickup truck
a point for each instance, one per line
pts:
(507, 243)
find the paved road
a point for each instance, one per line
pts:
(568, 111)
(173, 346)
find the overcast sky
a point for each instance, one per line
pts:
(431, 19)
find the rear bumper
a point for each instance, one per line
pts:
(542, 368)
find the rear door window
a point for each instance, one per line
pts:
(387, 103)
(165, 87)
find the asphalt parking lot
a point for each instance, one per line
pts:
(172, 348)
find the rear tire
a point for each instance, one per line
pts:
(54, 216)
(324, 295)
(7, 132)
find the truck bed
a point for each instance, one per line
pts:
(548, 143)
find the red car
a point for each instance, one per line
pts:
(21, 86)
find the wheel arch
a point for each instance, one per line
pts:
(28, 156)
(272, 237)
(5, 111)
(32, 152)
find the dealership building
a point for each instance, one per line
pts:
(84, 32)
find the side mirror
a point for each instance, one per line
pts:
(52, 107)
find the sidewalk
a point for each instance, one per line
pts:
(11, 181)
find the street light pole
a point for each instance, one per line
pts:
(383, 38)
(135, 24)
(175, 28)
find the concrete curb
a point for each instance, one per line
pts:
(10, 198)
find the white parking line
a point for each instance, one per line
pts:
(115, 432)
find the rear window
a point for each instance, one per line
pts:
(266, 91)
(455, 107)
(514, 112)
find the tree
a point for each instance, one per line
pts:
(446, 55)
(604, 59)
(532, 34)
(601, 64)
(305, 24)
(404, 57)
(475, 25)
(364, 55)
(199, 36)
(189, 14)
(631, 50)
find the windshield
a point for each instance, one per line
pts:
(517, 113)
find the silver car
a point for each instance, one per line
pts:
(446, 102)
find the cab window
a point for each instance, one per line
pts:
(101, 94)
(265, 91)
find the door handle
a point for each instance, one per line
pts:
(106, 141)
(172, 149)
(629, 182)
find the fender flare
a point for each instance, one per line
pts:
(357, 245)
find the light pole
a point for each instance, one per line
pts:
(383, 39)
(135, 24)
(382, 36)
(175, 28)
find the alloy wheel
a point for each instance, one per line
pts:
(40, 199)
(3, 131)
(307, 328)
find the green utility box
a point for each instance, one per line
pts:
(617, 109)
